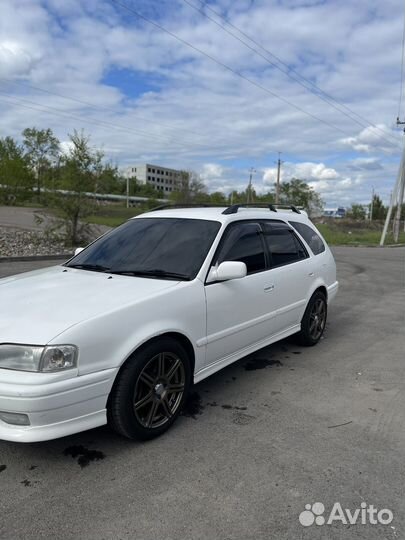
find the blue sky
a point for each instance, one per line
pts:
(144, 96)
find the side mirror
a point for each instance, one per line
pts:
(227, 270)
(78, 250)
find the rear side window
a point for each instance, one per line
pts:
(310, 236)
(242, 242)
(284, 246)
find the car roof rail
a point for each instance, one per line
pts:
(234, 208)
(185, 205)
(289, 207)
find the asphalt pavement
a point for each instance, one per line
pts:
(22, 218)
(286, 427)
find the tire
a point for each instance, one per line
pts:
(150, 390)
(314, 320)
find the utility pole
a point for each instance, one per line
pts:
(249, 189)
(397, 198)
(279, 162)
(400, 199)
(372, 202)
(127, 191)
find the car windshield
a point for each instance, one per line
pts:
(164, 248)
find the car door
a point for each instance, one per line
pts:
(291, 272)
(240, 312)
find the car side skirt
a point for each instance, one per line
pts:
(216, 366)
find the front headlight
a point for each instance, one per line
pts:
(34, 358)
(58, 357)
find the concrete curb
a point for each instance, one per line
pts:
(62, 257)
(367, 245)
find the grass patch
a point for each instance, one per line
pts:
(355, 233)
(113, 215)
(110, 215)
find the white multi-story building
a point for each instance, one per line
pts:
(160, 178)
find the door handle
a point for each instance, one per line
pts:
(269, 288)
(311, 274)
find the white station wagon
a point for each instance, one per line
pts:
(121, 331)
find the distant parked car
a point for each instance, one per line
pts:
(121, 331)
(339, 212)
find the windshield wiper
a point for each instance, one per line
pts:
(152, 273)
(93, 267)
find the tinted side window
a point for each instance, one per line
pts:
(243, 242)
(283, 245)
(310, 236)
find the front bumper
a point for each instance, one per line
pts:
(57, 404)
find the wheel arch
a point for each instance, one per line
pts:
(187, 345)
(323, 290)
(177, 336)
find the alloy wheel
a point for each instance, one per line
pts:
(317, 319)
(159, 390)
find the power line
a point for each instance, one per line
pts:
(100, 122)
(225, 66)
(290, 70)
(58, 112)
(103, 123)
(94, 107)
(91, 105)
(310, 85)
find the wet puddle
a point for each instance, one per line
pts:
(192, 406)
(261, 363)
(84, 455)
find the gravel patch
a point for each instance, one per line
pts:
(23, 243)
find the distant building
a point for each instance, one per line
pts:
(161, 178)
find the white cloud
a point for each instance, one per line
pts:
(14, 59)
(365, 164)
(66, 147)
(370, 139)
(211, 171)
(306, 171)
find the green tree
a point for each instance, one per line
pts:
(138, 189)
(81, 170)
(42, 148)
(147, 190)
(268, 197)
(237, 197)
(356, 211)
(108, 180)
(299, 193)
(16, 179)
(189, 189)
(217, 197)
(241, 197)
(379, 210)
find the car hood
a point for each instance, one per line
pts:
(37, 306)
